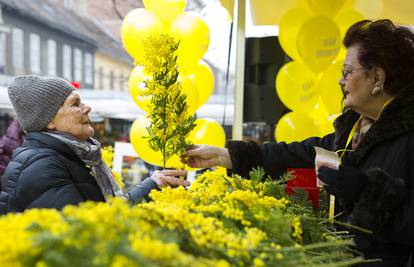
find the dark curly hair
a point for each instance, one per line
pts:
(385, 45)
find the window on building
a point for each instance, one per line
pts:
(112, 80)
(78, 68)
(34, 45)
(2, 53)
(88, 68)
(121, 82)
(18, 50)
(101, 78)
(51, 57)
(67, 62)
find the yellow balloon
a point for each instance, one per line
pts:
(329, 90)
(207, 132)
(194, 37)
(296, 87)
(265, 12)
(190, 90)
(320, 116)
(138, 134)
(289, 27)
(295, 126)
(401, 13)
(326, 7)
(166, 10)
(319, 41)
(137, 25)
(373, 9)
(203, 78)
(137, 85)
(344, 20)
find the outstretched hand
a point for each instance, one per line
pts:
(203, 156)
(169, 178)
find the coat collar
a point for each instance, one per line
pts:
(42, 140)
(396, 118)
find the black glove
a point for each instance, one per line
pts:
(346, 182)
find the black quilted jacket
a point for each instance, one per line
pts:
(46, 173)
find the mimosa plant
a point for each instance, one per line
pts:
(168, 111)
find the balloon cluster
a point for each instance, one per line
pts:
(196, 77)
(311, 34)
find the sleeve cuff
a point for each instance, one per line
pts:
(141, 191)
(244, 157)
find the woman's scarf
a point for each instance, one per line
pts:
(89, 152)
(363, 128)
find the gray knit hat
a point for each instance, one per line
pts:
(36, 100)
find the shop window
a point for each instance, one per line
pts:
(67, 62)
(51, 57)
(34, 46)
(18, 50)
(88, 68)
(78, 65)
(2, 53)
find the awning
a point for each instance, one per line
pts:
(119, 105)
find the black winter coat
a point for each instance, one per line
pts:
(386, 155)
(46, 173)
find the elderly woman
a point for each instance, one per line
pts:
(60, 163)
(374, 136)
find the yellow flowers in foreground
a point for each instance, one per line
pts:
(219, 221)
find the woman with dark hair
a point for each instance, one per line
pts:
(374, 185)
(60, 163)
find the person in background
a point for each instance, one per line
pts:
(12, 139)
(59, 163)
(374, 137)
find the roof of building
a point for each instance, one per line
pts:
(107, 44)
(69, 22)
(52, 16)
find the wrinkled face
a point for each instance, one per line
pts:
(357, 82)
(73, 118)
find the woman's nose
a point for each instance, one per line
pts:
(341, 82)
(86, 109)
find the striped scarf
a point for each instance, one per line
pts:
(89, 152)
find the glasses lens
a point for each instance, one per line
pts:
(344, 72)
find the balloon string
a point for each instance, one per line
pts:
(227, 75)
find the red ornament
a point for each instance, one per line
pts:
(75, 84)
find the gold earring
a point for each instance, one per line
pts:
(376, 90)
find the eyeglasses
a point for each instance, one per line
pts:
(346, 72)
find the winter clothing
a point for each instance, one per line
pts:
(12, 139)
(36, 100)
(90, 153)
(346, 182)
(385, 204)
(46, 173)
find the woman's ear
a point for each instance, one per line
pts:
(379, 76)
(51, 126)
